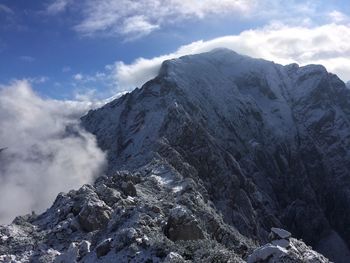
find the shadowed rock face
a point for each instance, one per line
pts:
(268, 144)
(202, 161)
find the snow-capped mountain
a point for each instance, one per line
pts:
(203, 161)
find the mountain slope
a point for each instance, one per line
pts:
(202, 161)
(253, 132)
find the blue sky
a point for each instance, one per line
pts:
(72, 49)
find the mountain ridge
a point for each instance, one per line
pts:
(220, 143)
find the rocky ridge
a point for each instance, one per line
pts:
(136, 217)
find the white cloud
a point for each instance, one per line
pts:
(134, 19)
(46, 151)
(38, 80)
(327, 45)
(78, 77)
(58, 6)
(136, 27)
(338, 17)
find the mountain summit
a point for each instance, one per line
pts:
(203, 161)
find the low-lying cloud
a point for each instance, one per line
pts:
(327, 45)
(43, 150)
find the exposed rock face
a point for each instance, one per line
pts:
(216, 150)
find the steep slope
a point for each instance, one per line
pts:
(202, 161)
(269, 143)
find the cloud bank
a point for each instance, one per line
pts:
(44, 151)
(327, 45)
(132, 19)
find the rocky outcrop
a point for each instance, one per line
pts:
(283, 248)
(162, 223)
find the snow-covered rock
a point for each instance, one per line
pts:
(266, 253)
(285, 243)
(298, 253)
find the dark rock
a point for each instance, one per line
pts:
(104, 248)
(182, 225)
(129, 188)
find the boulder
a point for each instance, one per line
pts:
(182, 225)
(129, 189)
(104, 247)
(262, 254)
(94, 215)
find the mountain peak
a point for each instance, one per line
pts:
(223, 117)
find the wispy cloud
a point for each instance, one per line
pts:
(134, 19)
(58, 6)
(136, 27)
(27, 58)
(85, 84)
(338, 17)
(46, 151)
(5, 9)
(38, 80)
(66, 69)
(327, 45)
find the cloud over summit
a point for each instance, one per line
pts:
(284, 44)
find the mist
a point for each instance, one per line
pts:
(43, 150)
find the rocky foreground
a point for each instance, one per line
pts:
(146, 216)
